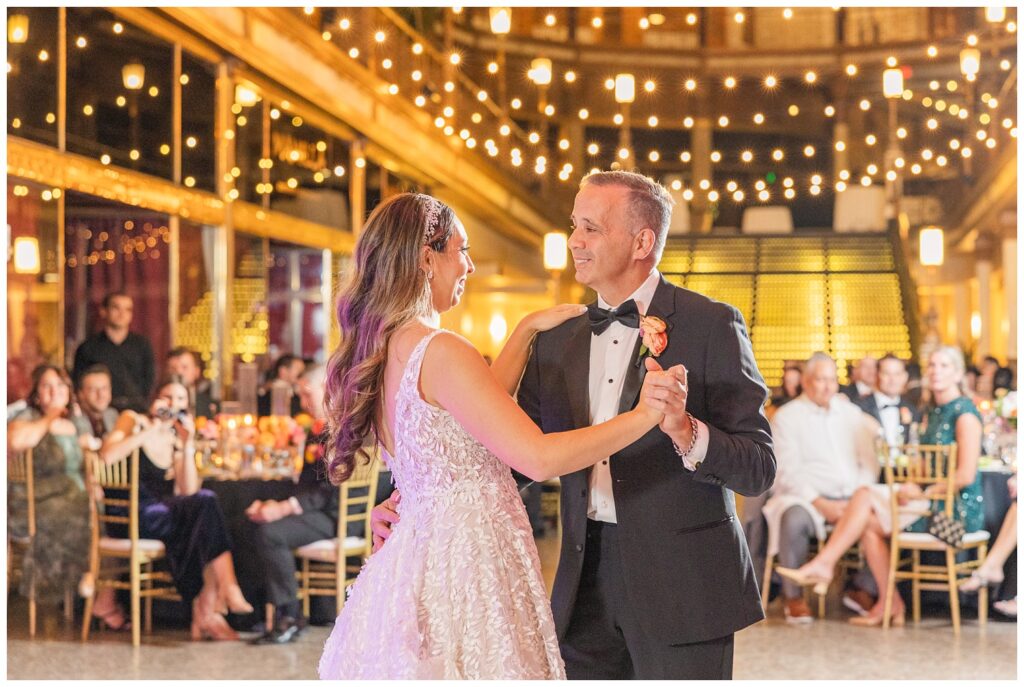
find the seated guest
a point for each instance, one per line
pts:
(990, 573)
(286, 525)
(862, 378)
(868, 519)
(823, 457)
(887, 404)
(128, 356)
(173, 509)
(59, 555)
(790, 388)
(914, 390)
(97, 418)
(185, 364)
(1003, 379)
(285, 375)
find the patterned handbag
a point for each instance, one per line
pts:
(946, 529)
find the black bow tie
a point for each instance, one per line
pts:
(601, 319)
(889, 405)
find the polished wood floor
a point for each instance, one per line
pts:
(772, 650)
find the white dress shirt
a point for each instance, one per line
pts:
(820, 451)
(890, 417)
(610, 358)
(825, 452)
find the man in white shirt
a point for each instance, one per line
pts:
(824, 453)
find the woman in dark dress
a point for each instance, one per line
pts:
(173, 509)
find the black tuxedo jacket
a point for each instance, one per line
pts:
(870, 406)
(684, 556)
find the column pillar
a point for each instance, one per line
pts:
(1010, 290)
(700, 150)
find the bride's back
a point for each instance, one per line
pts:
(430, 452)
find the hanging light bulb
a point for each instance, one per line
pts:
(892, 83)
(540, 71)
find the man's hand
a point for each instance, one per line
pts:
(831, 510)
(268, 511)
(671, 390)
(383, 517)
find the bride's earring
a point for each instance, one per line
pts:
(430, 275)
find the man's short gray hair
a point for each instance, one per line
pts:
(817, 358)
(650, 205)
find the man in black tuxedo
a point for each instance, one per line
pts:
(654, 576)
(887, 403)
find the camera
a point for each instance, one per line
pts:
(170, 414)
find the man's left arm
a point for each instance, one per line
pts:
(733, 447)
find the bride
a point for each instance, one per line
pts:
(458, 589)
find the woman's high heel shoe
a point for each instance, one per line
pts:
(86, 586)
(820, 584)
(978, 579)
(213, 626)
(897, 619)
(235, 601)
(113, 620)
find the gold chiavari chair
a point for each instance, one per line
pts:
(325, 571)
(131, 554)
(927, 465)
(851, 561)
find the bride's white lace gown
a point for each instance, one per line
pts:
(457, 590)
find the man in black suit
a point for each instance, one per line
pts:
(863, 378)
(654, 576)
(887, 403)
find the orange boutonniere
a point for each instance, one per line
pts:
(905, 417)
(655, 338)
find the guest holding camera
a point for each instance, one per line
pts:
(173, 509)
(185, 364)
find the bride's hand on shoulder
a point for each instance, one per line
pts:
(549, 318)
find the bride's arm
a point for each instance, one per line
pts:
(455, 377)
(509, 365)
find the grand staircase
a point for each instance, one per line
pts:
(848, 295)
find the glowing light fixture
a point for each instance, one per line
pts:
(931, 246)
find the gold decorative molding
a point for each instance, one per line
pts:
(72, 172)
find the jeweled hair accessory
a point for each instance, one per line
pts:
(433, 212)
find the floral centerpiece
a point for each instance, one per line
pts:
(242, 446)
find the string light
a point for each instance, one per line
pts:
(870, 139)
(685, 156)
(830, 111)
(809, 151)
(652, 121)
(851, 70)
(758, 118)
(771, 81)
(584, 113)
(810, 77)
(723, 121)
(690, 85)
(730, 82)
(932, 51)
(688, 122)
(650, 86)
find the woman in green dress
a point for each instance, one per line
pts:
(952, 418)
(59, 554)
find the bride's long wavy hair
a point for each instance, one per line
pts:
(385, 290)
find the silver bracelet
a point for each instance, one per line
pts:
(693, 440)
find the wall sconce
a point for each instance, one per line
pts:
(556, 249)
(892, 83)
(134, 76)
(975, 325)
(246, 94)
(625, 88)
(932, 247)
(970, 61)
(498, 328)
(17, 28)
(540, 71)
(26, 255)
(501, 20)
